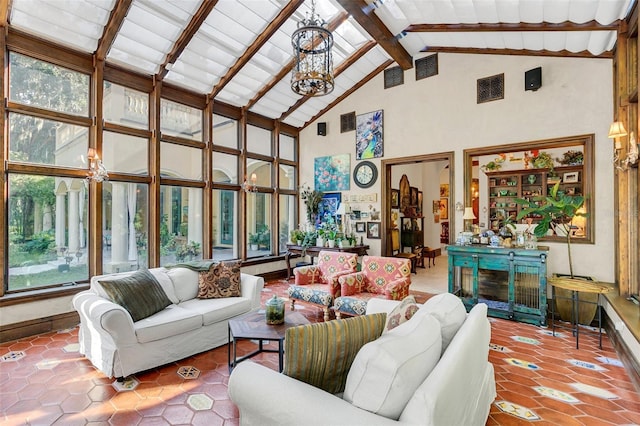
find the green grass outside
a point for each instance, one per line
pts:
(46, 278)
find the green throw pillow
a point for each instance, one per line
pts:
(321, 354)
(139, 293)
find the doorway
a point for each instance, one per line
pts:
(432, 174)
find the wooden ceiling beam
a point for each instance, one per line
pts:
(517, 27)
(518, 52)
(339, 70)
(279, 20)
(331, 26)
(112, 28)
(194, 25)
(346, 94)
(363, 14)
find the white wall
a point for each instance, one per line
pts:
(440, 114)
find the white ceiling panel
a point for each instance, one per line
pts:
(150, 30)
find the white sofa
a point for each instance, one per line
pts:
(458, 391)
(119, 347)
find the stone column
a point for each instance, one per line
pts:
(194, 232)
(60, 220)
(74, 220)
(119, 226)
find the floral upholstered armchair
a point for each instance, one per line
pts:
(318, 283)
(382, 277)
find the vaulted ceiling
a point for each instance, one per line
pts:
(239, 51)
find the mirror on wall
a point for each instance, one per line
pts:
(496, 176)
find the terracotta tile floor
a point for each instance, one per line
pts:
(542, 380)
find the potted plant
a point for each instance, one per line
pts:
(254, 239)
(571, 158)
(556, 211)
(296, 236)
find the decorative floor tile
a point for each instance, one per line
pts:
(548, 332)
(73, 347)
(555, 394)
(130, 383)
(527, 340)
(498, 348)
(12, 356)
(47, 364)
(610, 361)
(188, 372)
(522, 364)
(200, 402)
(585, 364)
(595, 391)
(517, 410)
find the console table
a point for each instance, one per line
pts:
(313, 251)
(511, 281)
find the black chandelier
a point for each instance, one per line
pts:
(312, 74)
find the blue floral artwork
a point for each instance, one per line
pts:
(369, 135)
(332, 173)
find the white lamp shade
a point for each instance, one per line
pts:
(617, 130)
(468, 213)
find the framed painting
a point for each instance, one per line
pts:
(420, 203)
(435, 207)
(332, 173)
(444, 208)
(444, 189)
(414, 195)
(329, 204)
(395, 198)
(360, 227)
(373, 230)
(369, 143)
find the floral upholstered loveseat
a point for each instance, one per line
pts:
(381, 277)
(318, 283)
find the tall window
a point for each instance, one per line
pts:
(47, 207)
(287, 183)
(181, 206)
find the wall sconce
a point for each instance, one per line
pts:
(617, 131)
(97, 171)
(250, 187)
(468, 217)
(459, 206)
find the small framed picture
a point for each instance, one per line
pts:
(570, 177)
(355, 215)
(570, 190)
(364, 215)
(414, 195)
(395, 198)
(373, 230)
(360, 227)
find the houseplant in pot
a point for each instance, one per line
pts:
(556, 210)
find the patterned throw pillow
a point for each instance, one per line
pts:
(321, 354)
(221, 280)
(139, 293)
(401, 313)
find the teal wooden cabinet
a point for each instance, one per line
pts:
(511, 281)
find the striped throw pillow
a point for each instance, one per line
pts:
(321, 354)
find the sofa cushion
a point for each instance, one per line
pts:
(139, 293)
(449, 310)
(172, 321)
(185, 283)
(221, 280)
(217, 310)
(401, 313)
(387, 371)
(321, 354)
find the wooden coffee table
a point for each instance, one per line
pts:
(253, 326)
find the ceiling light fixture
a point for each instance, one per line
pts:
(312, 74)
(97, 171)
